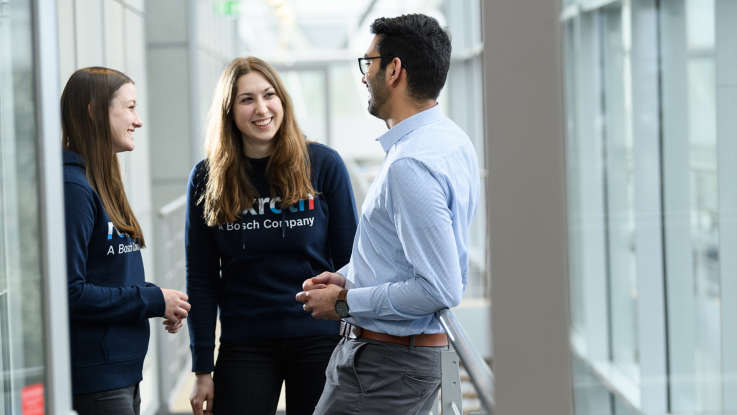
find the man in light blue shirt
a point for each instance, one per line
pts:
(410, 253)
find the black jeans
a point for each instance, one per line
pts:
(248, 376)
(123, 401)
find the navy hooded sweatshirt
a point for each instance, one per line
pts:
(109, 300)
(252, 268)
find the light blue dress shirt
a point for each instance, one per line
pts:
(410, 254)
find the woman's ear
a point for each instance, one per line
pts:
(89, 110)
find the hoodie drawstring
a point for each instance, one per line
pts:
(283, 226)
(243, 232)
(283, 221)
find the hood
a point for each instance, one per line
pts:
(73, 159)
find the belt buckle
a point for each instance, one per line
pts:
(355, 332)
(349, 331)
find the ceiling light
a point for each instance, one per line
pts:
(282, 11)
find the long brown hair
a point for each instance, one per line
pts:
(85, 126)
(229, 189)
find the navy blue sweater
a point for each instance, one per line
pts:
(264, 257)
(109, 300)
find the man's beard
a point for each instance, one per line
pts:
(379, 93)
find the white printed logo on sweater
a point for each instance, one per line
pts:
(122, 248)
(260, 204)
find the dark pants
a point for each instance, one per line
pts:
(248, 376)
(371, 377)
(123, 401)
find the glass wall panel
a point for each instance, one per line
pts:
(307, 88)
(691, 194)
(462, 101)
(573, 171)
(619, 182)
(5, 391)
(590, 396)
(21, 317)
(686, 177)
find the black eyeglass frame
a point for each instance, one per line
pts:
(360, 68)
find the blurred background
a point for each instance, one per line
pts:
(603, 256)
(175, 51)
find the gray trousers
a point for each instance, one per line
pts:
(368, 377)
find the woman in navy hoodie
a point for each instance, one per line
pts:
(109, 300)
(266, 210)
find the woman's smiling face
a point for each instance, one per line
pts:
(257, 111)
(123, 118)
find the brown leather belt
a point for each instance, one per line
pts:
(350, 331)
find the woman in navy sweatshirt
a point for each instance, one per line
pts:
(110, 301)
(266, 210)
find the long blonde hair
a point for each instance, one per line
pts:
(229, 190)
(85, 125)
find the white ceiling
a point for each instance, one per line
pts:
(294, 31)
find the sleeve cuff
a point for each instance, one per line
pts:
(344, 272)
(203, 359)
(154, 300)
(359, 302)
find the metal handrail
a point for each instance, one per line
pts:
(172, 206)
(477, 368)
(173, 362)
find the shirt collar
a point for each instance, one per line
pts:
(389, 138)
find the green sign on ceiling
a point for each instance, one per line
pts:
(227, 8)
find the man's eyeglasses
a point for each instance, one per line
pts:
(365, 63)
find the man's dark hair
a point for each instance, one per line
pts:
(423, 47)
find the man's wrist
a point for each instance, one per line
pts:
(341, 304)
(344, 280)
(202, 373)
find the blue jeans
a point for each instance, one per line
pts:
(248, 376)
(123, 401)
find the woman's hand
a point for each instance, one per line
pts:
(177, 306)
(202, 391)
(173, 326)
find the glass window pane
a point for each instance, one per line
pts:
(619, 182)
(692, 210)
(21, 317)
(690, 194)
(573, 171)
(308, 93)
(705, 230)
(4, 358)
